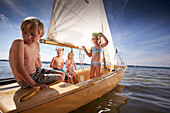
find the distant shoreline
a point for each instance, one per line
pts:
(45, 62)
(48, 62)
(148, 67)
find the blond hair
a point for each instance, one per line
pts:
(28, 22)
(59, 48)
(69, 54)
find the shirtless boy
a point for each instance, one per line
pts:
(24, 56)
(57, 62)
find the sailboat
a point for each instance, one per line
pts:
(72, 24)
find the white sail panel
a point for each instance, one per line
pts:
(74, 21)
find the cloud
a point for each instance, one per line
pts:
(4, 18)
(157, 39)
(47, 7)
(156, 57)
(14, 7)
(6, 22)
(154, 42)
(159, 60)
(144, 27)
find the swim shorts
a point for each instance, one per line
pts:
(66, 76)
(41, 76)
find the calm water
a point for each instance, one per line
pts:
(142, 90)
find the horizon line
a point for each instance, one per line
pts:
(128, 65)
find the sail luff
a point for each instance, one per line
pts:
(109, 49)
(52, 16)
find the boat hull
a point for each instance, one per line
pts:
(79, 95)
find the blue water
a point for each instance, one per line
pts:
(142, 90)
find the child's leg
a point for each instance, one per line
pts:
(98, 68)
(76, 81)
(66, 76)
(61, 75)
(75, 77)
(71, 80)
(92, 70)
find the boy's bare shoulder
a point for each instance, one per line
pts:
(18, 41)
(55, 57)
(17, 44)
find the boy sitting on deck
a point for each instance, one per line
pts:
(24, 56)
(57, 62)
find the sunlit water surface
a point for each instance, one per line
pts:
(142, 90)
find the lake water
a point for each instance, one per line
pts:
(142, 90)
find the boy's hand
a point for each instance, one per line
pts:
(59, 67)
(42, 86)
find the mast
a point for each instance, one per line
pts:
(104, 59)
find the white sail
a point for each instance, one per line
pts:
(74, 21)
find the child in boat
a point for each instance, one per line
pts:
(23, 57)
(69, 66)
(96, 53)
(57, 62)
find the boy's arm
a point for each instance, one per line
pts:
(87, 53)
(105, 39)
(38, 62)
(52, 63)
(19, 61)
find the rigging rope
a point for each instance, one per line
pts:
(122, 62)
(82, 64)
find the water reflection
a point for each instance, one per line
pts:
(110, 102)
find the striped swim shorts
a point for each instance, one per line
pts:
(41, 76)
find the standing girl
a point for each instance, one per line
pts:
(96, 53)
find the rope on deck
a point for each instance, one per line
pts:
(32, 92)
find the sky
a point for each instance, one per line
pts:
(140, 28)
